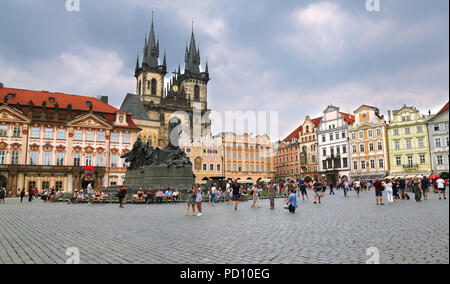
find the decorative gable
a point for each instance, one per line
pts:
(10, 114)
(90, 120)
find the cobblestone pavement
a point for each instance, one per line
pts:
(337, 231)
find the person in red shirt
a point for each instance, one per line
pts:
(378, 192)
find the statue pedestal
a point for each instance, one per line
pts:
(160, 175)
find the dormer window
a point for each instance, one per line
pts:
(52, 100)
(121, 118)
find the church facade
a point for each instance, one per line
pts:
(155, 103)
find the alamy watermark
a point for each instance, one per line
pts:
(374, 254)
(73, 5)
(74, 255)
(373, 5)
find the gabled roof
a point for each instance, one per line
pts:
(443, 109)
(23, 97)
(294, 134)
(132, 104)
(316, 121)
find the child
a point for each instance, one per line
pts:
(291, 203)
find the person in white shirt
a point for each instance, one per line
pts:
(357, 187)
(387, 184)
(441, 188)
(256, 194)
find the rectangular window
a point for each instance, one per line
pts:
(48, 133)
(262, 168)
(3, 130)
(440, 160)
(126, 138)
(88, 160)
(114, 161)
(218, 167)
(436, 127)
(331, 137)
(372, 164)
(211, 167)
(47, 158)
(361, 148)
(2, 157)
(378, 132)
(397, 145)
(396, 133)
(370, 133)
(76, 159)
(408, 144)
(355, 165)
(324, 165)
(115, 137)
(324, 152)
(398, 161)
(61, 134)
(438, 142)
(363, 165)
(15, 157)
(229, 167)
(78, 135)
(422, 159)
(371, 147)
(89, 135)
(60, 158)
(420, 143)
(33, 158)
(354, 149)
(361, 135)
(344, 149)
(410, 161)
(16, 131)
(234, 167)
(99, 160)
(381, 163)
(58, 185)
(345, 161)
(380, 146)
(353, 136)
(407, 131)
(419, 129)
(35, 132)
(101, 136)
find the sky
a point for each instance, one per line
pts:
(293, 57)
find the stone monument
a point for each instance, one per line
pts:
(156, 167)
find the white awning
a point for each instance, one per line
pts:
(246, 181)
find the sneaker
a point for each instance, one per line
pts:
(315, 202)
(193, 214)
(186, 214)
(199, 214)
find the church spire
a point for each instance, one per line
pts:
(151, 54)
(192, 56)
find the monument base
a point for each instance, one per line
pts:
(160, 175)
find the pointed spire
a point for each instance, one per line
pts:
(206, 68)
(192, 56)
(137, 61)
(151, 53)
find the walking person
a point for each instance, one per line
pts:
(192, 194)
(213, 194)
(199, 199)
(256, 194)
(425, 186)
(441, 187)
(346, 185)
(402, 188)
(303, 191)
(122, 194)
(272, 194)
(291, 203)
(22, 195)
(417, 187)
(30, 194)
(318, 191)
(378, 192)
(2, 195)
(357, 187)
(388, 186)
(332, 184)
(395, 189)
(236, 188)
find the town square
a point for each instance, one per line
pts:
(308, 132)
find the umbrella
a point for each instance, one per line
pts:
(435, 176)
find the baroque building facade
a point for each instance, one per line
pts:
(308, 149)
(333, 144)
(439, 141)
(247, 157)
(368, 144)
(186, 96)
(47, 139)
(408, 141)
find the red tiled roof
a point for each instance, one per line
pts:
(317, 121)
(443, 109)
(23, 97)
(294, 134)
(348, 117)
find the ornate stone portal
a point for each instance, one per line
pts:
(155, 167)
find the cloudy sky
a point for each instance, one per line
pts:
(295, 58)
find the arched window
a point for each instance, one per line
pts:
(153, 87)
(196, 93)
